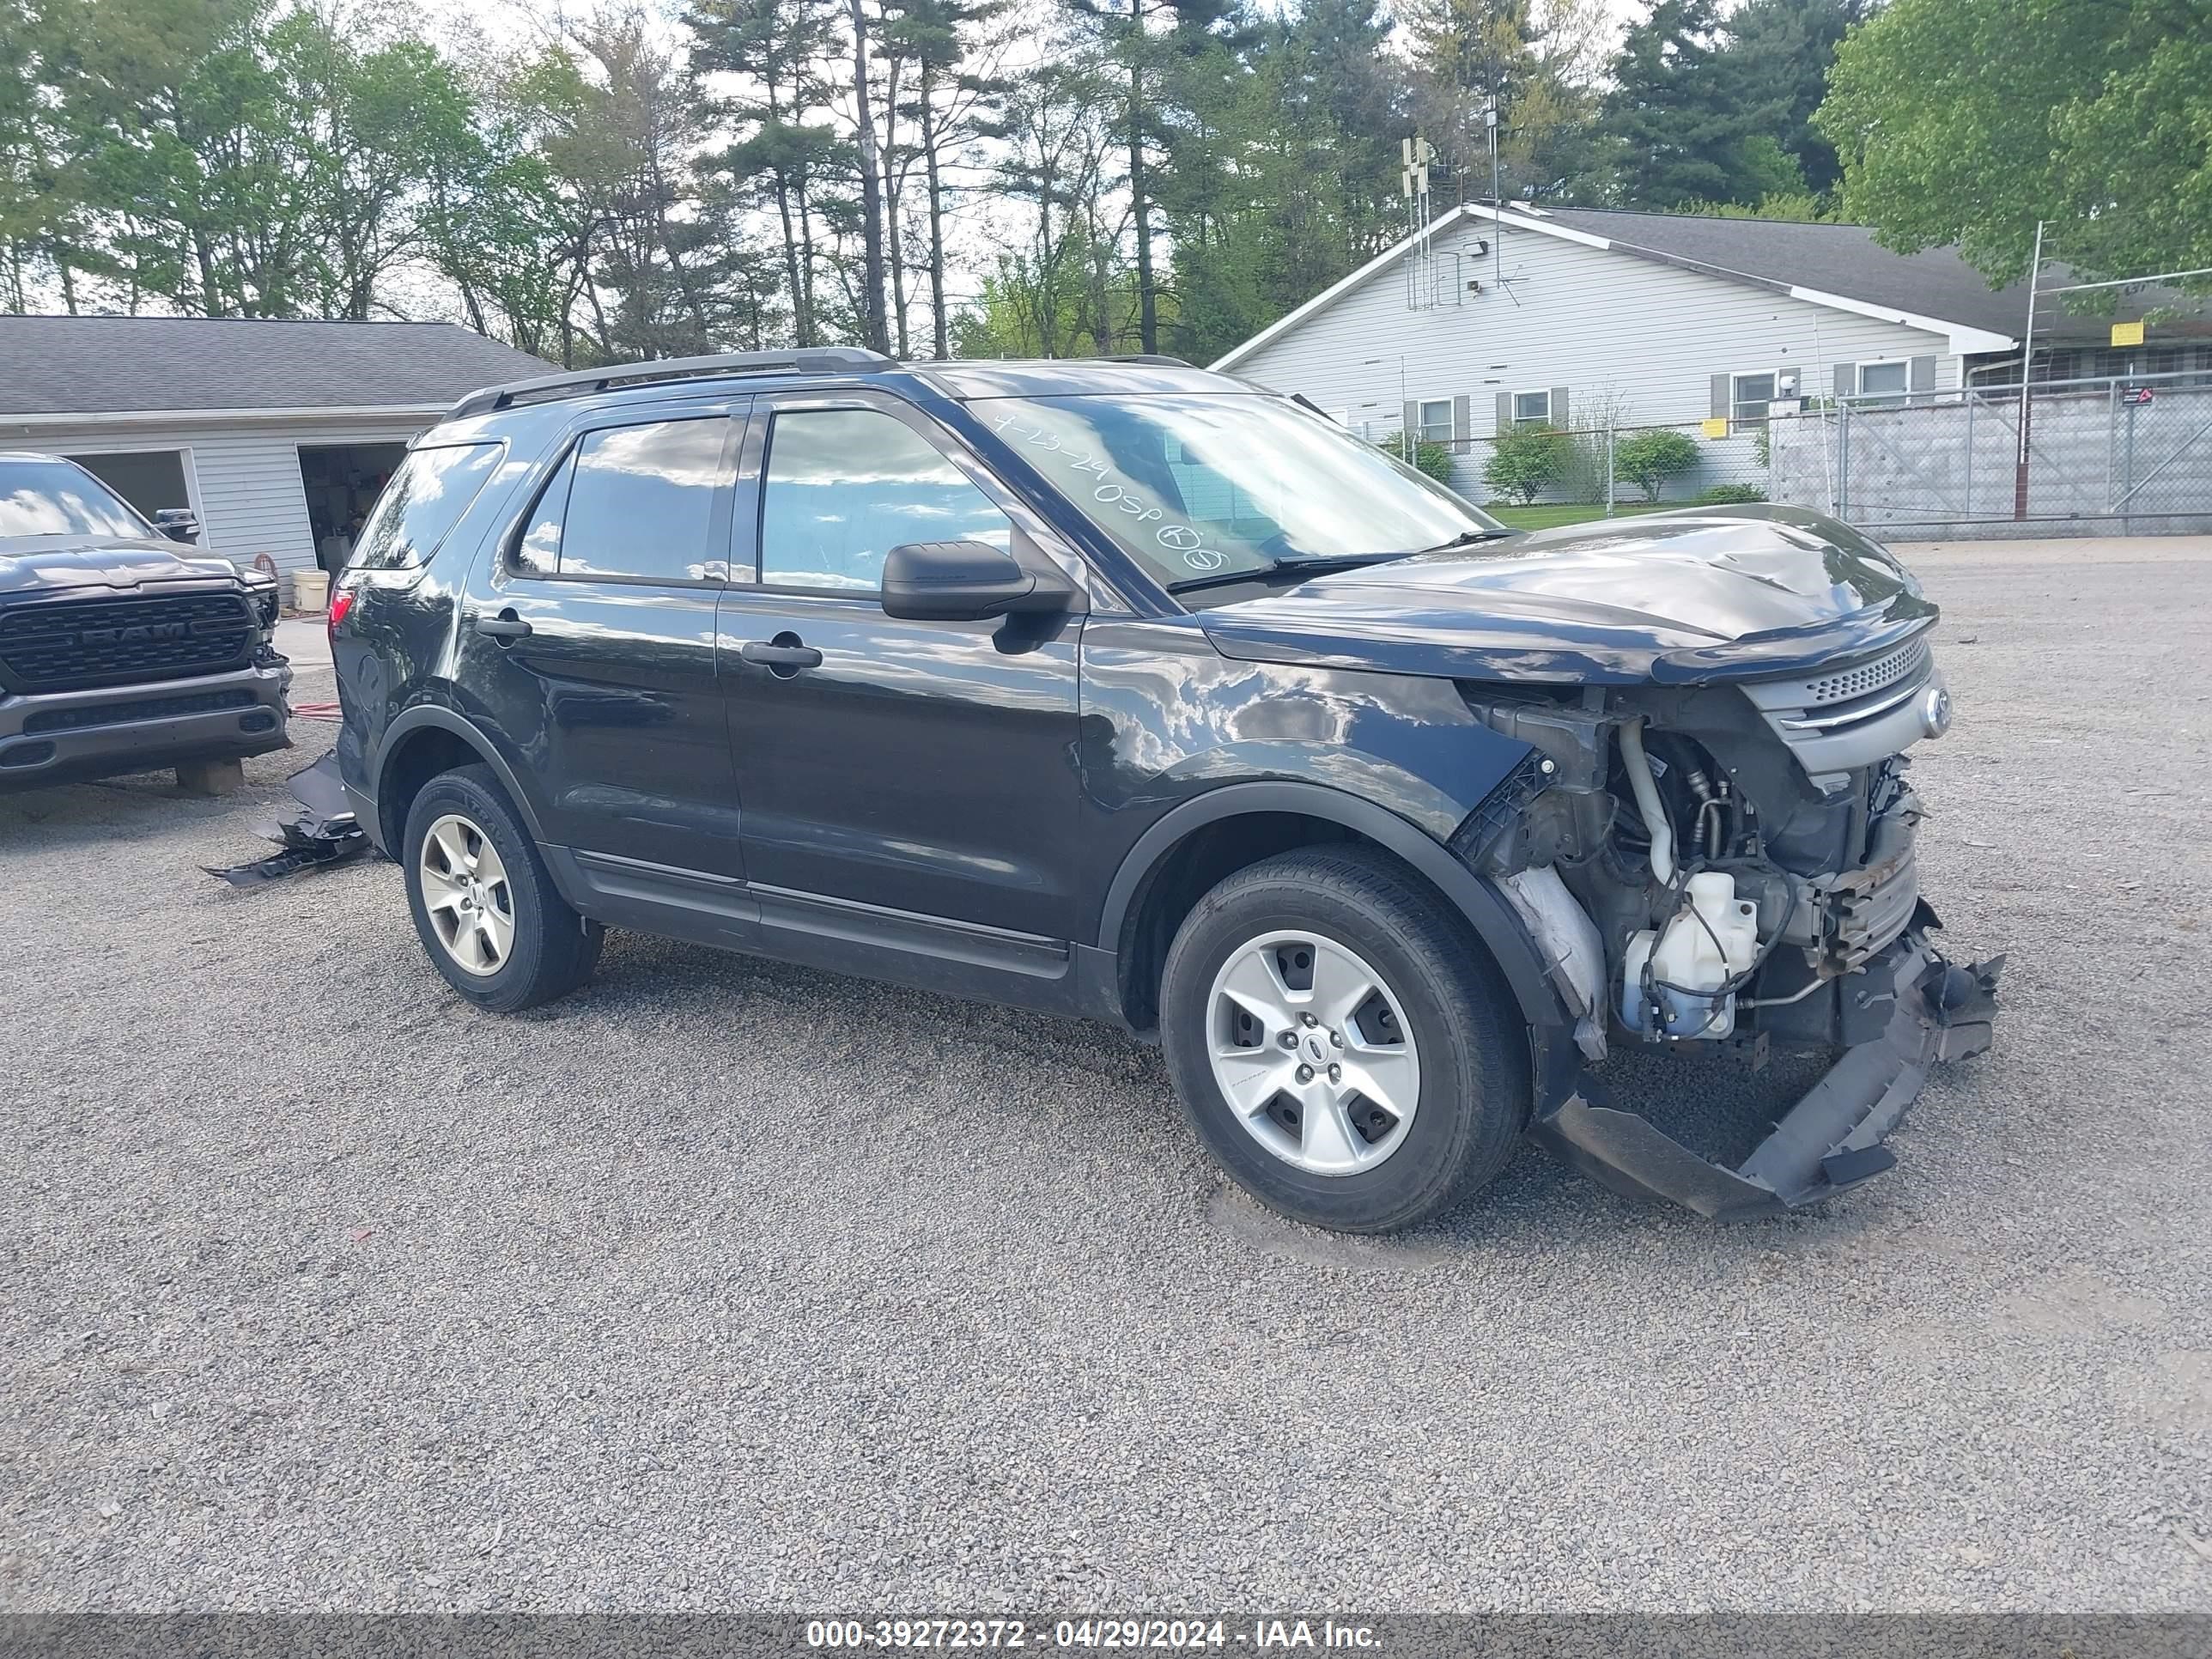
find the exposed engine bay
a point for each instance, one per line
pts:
(1732, 864)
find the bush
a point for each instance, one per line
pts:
(1430, 456)
(1582, 478)
(1650, 458)
(1526, 461)
(1730, 494)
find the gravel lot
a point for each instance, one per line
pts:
(731, 1284)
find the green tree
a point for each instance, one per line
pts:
(1650, 458)
(1685, 131)
(1776, 62)
(1540, 66)
(1526, 461)
(1968, 123)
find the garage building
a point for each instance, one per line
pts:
(276, 435)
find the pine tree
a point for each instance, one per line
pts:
(1682, 133)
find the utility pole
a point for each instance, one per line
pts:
(2026, 363)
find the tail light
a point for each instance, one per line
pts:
(341, 603)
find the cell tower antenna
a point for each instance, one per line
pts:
(1413, 179)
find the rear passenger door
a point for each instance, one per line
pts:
(595, 641)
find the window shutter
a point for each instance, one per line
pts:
(1559, 408)
(1504, 411)
(1847, 379)
(1922, 375)
(1463, 417)
(1412, 421)
(1720, 408)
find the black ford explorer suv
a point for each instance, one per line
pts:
(1127, 690)
(120, 651)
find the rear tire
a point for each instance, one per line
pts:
(484, 907)
(1343, 1046)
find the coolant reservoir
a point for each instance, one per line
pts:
(1712, 939)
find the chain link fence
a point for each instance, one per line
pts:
(2107, 457)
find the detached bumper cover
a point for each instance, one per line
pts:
(1830, 1141)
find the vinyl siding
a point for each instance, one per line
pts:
(244, 478)
(1605, 327)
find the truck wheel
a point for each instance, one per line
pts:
(1348, 1053)
(487, 911)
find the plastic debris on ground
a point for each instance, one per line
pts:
(322, 833)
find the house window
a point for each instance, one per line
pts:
(1532, 408)
(1885, 382)
(1749, 395)
(1437, 421)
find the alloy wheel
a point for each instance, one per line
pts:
(468, 896)
(1311, 1050)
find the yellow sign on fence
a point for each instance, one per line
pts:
(2127, 334)
(1716, 426)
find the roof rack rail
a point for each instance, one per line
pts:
(1159, 357)
(580, 383)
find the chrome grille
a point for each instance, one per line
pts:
(1905, 663)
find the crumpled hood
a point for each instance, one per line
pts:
(1680, 597)
(44, 565)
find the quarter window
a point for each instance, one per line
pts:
(842, 487)
(632, 503)
(1532, 408)
(421, 504)
(1750, 397)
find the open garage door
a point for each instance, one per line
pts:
(342, 482)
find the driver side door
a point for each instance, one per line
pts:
(909, 786)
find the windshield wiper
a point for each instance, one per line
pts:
(1469, 538)
(1298, 568)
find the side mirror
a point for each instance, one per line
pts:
(966, 581)
(178, 524)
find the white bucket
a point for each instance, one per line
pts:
(311, 590)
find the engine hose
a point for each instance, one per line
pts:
(1646, 790)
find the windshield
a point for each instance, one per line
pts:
(1205, 487)
(59, 498)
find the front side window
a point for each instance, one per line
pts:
(1437, 421)
(57, 498)
(1211, 484)
(421, 504)
(631, 502)
(1532, 408)
(1752, 395)
(842, 487)
(1887, 381)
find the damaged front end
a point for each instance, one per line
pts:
(1727, 861)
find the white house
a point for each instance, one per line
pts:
(275, 434)
(1576, 317)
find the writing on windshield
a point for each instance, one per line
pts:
(1193, 485)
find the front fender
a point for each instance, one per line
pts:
(1475, 898)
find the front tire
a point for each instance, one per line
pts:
(1344, 1046)
(484, 907)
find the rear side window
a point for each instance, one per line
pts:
(422, 504)
(630, 501)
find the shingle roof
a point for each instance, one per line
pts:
(111, 365)
(1846, 260)
(1843, 259)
